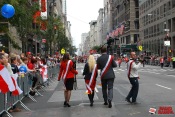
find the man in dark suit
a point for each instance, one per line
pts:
(106, 64)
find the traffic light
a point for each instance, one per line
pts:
(109, 41)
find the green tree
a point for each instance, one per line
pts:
(22, 19)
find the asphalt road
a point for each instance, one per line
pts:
(156, 89)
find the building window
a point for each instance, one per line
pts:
(136, 24)
(137, 14)
(136, 3)
(173, 3)
(135, 38)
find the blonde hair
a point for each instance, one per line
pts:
(91, 62)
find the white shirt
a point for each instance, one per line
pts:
(134, 68)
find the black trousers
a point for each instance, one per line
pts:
(173, 64)
(161, 64)
(134, 89)
(35, 79)
(91, 97)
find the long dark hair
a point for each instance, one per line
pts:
(66, 57)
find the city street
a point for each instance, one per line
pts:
(156, 89)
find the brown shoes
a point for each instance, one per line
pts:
(14, 110)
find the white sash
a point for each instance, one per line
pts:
(67, 68)
(129, 67)
(91, 79)
(106, 66)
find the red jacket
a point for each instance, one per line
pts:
(71, 70)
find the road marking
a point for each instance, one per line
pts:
(171, 75)
(163, 87)
(170, 70)
(121, 70)
(153, 72)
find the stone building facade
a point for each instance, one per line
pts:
(157, 25)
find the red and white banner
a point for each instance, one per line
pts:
(43, 40)
(122, 29)
(43, 72)
(90, 84)
(17, 90)
(6, 83)
(43, 7)
(105, 69)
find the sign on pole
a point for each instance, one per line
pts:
(43, 40)
(63, 51)
(140, 48)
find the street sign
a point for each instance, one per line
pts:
(166, 43)
(63, 51)
(140, 48)
(43, 40)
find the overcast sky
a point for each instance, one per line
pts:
(80, 13)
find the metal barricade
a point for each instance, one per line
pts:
(7, 101)
(2, 100)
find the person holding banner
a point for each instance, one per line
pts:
(66, 74)
(90, 73)
(106, 63)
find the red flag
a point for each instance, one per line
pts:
(6, 83)
(17, 90)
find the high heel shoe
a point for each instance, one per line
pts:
(65, 103)
(68, 105)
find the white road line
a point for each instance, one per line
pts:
(171, 75)
(163, 87)
(153, 72)
(170, 70)
(121, 70)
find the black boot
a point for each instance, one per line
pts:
(90, 99)
(110, 104)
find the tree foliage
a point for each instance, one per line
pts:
(22, 20)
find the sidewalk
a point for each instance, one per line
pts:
(51, 104)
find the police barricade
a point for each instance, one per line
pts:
(7, 101)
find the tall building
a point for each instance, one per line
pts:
(86, 46)
(93, 33)
(83, 39)
(107, 21)
(64, 7)
(157, 27)
(100, 39)
(126, 13)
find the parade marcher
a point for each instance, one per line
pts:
(161, 62)
(66, 74)
(173, 61)
(106, 63)
(119, 61)
(90, 73)
(132, 67)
